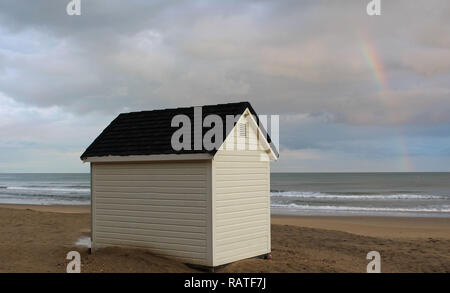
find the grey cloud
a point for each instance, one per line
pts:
(285, 57)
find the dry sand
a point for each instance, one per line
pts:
(37, 239)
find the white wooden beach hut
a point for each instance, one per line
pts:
(201, 206)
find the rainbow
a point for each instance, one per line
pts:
(371, 57)
(369, 52)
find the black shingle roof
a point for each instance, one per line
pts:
(150, 132)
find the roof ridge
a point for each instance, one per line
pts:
(185, 108)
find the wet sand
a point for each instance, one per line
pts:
(384, 227)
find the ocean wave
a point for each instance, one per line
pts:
(320, 195)
(443, 209)
(50, 189)
(34, 196)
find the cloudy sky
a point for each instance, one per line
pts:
(354, 92)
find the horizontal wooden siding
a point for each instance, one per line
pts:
(162, 206)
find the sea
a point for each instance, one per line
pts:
(309, 194)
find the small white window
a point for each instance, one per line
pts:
(242, 129)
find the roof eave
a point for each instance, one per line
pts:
(147, 158)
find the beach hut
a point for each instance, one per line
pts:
(204, 206)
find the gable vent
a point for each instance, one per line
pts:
(242, 129)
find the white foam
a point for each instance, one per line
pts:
(319, 195)
(48, 189)
(84, 242)
(443, 209)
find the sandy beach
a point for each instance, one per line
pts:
(37, 239)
